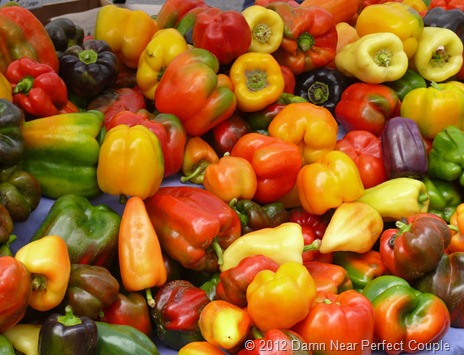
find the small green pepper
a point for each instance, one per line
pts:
(444, 196)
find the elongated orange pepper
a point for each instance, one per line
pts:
(141, 262)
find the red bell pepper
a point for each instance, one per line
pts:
(37, 88)
(365, 149)
(276, 163)
(367, 107)
(415, 246)
(226, 34)
(329, 278)
(310, 37)
(172, 11)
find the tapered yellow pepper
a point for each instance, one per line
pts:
(160, 51)
(126, 31)
(130, 162)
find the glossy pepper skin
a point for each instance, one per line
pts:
(365, 149)
(28, 36)
(444, 281)
(61, 152)
(276, 163)
(90, 232)
(189, 89)
(37, 88)
(172, 11)
(20, 192)
(198, 154)
(91, 288)
(451, 18)
(409, 81)
(15, 292)
(365, 106)
(404, 316)
(90, 68)
(177, 312)
(68, 334)
(204, 221)
(224, 33)
(297, 122)
(11, 136)
(445, 197)
(141, 172)
(346, 318)
(310, 38)
(415, 246)
(24, 337)
(403, 150)
(328, 182)
(64, 33)
(126, 31)
(328, 277)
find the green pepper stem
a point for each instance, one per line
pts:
(440, 57)
(256, 80)
(422, 198)
(199, 169)
(39, 282)
(383, 57)
(318, 93)
(256, 333)
(88, 56)
(149, 296)
(305, 41)
(24, 85)
(315, 245)
(217, 248)
(69, 319)
(402, 227)
(262, 32)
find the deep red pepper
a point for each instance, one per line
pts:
(37, 88)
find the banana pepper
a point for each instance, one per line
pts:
(373, 58)
(130, 162)
(127, 32)
(395, 17)
(61, 152)
(397, 198)
(159, 52)
(311, 127)
(327, 183)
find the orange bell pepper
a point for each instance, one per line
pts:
(457, 230)
(141, 262)
(281, 299)
(329, 182)
(224, 324)
(311, 127)
(198, 154)
(275, 162)
(47, 259)
(231, 177)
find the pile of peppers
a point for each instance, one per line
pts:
(283, 179)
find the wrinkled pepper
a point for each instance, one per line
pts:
(405, 318)
(290, 290)
(11, 136)
(275, 161)
(47, 260)
(189, 89)
(328, 182)
(415, 246)
(37, 88)
(309, 39)
(126, 31)
(198, 154)
(140, 172)
(397, 198)
(311, 127)
(61, 152)
(205, 222)
(445, 197)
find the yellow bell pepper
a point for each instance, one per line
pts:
(24, 337)
(328, 182)
(397, 198)
(160, 51)
(126, 31)
(257, 80)
(130, 162)
(434, 108)
(267, 28)
(282, 244)
(439, 54)
(373, 58)
(313, 128)
(354, 226)
(394, 17)
(279, 300)
(6, 90)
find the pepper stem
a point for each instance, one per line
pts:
(69, 319)
(39, 282)
(88, 56)
(305, 41)
(24, 85)
(440, 57)
(318, 93)
(315, 245)
(262, 32)
(256, 80)
(383, 57)
(217, 248)
(149, 296)
(199, 169)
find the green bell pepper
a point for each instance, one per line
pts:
(62, 152)
(11, 137)
(405, 318)
(123, 339)
(6, 348)
(444, 196)
(91, 232)
(410, 80)
(445, 156)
